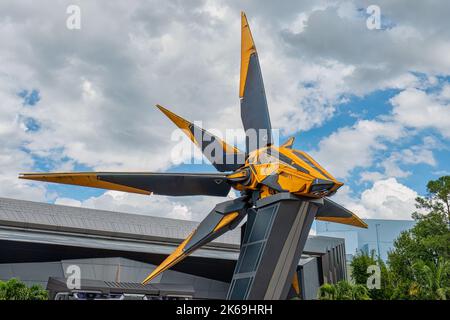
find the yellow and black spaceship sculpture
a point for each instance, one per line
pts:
(282, 190)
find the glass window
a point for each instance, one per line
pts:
(262, 223)
(250, 258)
(240, 288)
(249, 224)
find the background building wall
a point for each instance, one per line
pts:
(379, 236)
(117, 269)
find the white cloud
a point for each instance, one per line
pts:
(352, 147)
(415, 108)
(186, 208)
(417, 154)
(386, 199)
(445, 93)
(371, 176)
(380, 59)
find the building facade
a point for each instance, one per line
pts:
(379, 237)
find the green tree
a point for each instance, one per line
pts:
(438, 198)
(426, 246)
(359, 266)
(439, 191)
(432, 282)
(343, 290)
(14, 289)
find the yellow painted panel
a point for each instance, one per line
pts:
(226, 220)
(238, 174)
(171, 260)
(247, 49)
(288, 143)
(352, 221)
(295, 284)
(320, 167)
(179, 122)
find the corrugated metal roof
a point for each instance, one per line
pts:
(35, 215)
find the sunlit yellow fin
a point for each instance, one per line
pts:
(171, 260)
(232, 159)
(354, 220)
(247, 49)
(334, 212)
(226, 220)
(296, 284)
(289, 143)
(186, 248)
(187, 128)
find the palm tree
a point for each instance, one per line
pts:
(432, 279)
(343, 290)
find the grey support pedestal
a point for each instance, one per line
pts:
(272, 244)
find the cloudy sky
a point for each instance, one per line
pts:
(371, 105)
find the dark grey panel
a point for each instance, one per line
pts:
(254, 110)
(232, 205)
(291, 251)
(309, 279)
(332, 209)
(205, 231)
(205, 228)
(272, 182)
(285, 196)
(172, 184)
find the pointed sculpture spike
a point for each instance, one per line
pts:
(224, 217)
(232, 158)
(247, 49)
(171, 260)
(254, 110)
(334, 212)
(288, 143)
